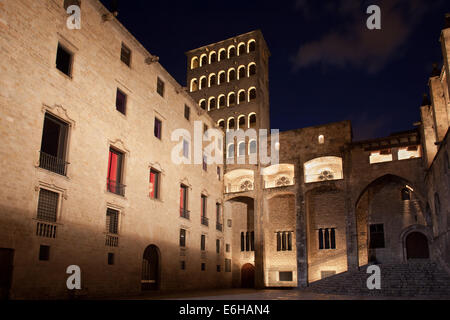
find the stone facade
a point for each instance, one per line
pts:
(331, 204)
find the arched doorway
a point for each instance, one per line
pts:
(416, 244)
(248, 276)
(151, 268)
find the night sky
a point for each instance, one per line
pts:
(325, 66)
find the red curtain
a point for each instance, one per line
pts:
(112, 171)
(152, 184)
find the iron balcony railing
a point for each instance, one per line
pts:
(112, 240)
(52, 163)
(205, 221)
(219, 226)
(184, 213)
(46, 229)
(115, 187)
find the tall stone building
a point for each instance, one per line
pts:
(89, 124)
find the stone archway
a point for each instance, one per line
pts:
(416, 246)
(151, 268)
(248, 276)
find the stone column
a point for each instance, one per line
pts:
(300, 228)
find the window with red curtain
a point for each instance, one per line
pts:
(114, 179)
(154, 184)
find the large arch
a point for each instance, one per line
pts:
(151, 268)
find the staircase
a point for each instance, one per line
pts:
(412, 279)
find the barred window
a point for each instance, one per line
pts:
(125, 55)
(47, 205)
(284, 241)
(112, 221)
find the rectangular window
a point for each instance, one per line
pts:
(110, 258)
(158, 128)
(64, 60)
(183, 202)
(242, 241)
(203, 266)
(284, 241)
(185, 148)
(218, 173)
(227, 265)
(125, 55)
(121, 101)
(160, 87)
(204, 201)
(112, 221)
(53, 145)
(44, 253)
(217, 246)
(47, 205)
(154, 183)
(115, 168)
(205, 164)
(285, 276)
(218, 268)
(182, 238)
(183, 265)
(327, 238)
(227, 247)
(376, 236)
(187, 112)
(203, 242)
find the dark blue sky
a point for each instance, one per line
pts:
(325, 66)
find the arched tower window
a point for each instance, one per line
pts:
(321, 139)
(202, 104)
(251, 45)
(222, 102)
(231, 123)
(230, 150)
(203, 82)
(241, 96)
(252, 120)
(231, 51)
(241, 48)
(251, 69)
(211, 103)
(241, 122)
(252, 94)
(212, 57)
(222, 54)
(203, 60)
(241, 149)
(221, 124)
(221, 77)
(231, 99)
(212, 79)
(194, 63)
(231, 74)
(194, 85)
(252, 147)
(241, 72)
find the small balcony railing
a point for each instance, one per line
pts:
(205, 221)
(52, 163)
(112, 240)
(184, 213)
(46, 230)
(219, 226)
(115, 187)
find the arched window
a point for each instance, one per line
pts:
(221, 77)
(222, 54)
(211, 103)
(251, 45)
(241, 48)
(437, 204)
(406, 194)
(203, 60)
(202, 104)
(231, 74)
(212, 57)
(321, 139)
(221, 124)
(231, 99)
(222, 102)
(241, 72)
(241, 122)
(203, 82)
(194, 63)
(231, 124)
(212, 79)
(252, 94)
(241, 149)
(251, 69)
(230, 150)
(241, 96)
(231, 51)
(252, 120)
(194, 85)
(252, 147)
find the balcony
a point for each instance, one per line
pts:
(219, 226)
(52, 163)
(115, 187)
(112, 240)
(46, 230)
(184, 213)
(205, 221)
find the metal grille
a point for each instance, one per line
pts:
(46, 230)
(112, 221)
(112, 241)
(51, 163)
(47, 205)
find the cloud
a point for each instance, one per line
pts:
(351, 43)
